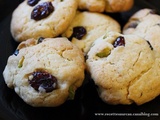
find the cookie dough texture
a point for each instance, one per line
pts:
(126, 74)
(56, 56)
(23, 27)
(96, 24)
(106, 5)
(146, 24)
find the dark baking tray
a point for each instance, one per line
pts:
(86, 104)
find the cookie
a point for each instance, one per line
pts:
(42, 18)
(48, 76)
(146, 24)
(105, 5)
(86, 27)
(125, 68)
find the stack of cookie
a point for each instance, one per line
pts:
(51, 18)
(45, 70)
(48, 65)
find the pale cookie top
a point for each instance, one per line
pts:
(125, 68)
(46, 18)
(106, 5)
(45, 73)
(86, 27)
(145, 23)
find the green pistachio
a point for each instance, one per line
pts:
(71, 92)
(105, 36)
(20, 63)
(104, 53)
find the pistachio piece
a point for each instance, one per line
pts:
(71, 92)
(104, 53)
(20, 63)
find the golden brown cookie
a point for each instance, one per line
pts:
(125, 68)
(86, 27)
(146, 24)
(45, 73)
(106, 5)
(45, 18)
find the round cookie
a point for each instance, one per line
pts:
(86, 27)
(125, 68)
(92, 5)
(42, 18)
(105, 5)
(48, 76)
(145, 23)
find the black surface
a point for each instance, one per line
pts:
(86, 102)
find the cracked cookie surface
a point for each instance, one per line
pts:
(42, 73)
(89, 28)
(47, 18)
(127, 73)
(146, 24)
(105, 5)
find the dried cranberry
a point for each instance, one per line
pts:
(40, 40)
(32, 2)
(153, 11)
(16, 52)
(42, 10)
(158, 24)
(43, 80)
(150, 45)
(78, 32)
(120, 41)
(86, 57)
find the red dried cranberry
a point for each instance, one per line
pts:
(120, 41)
(16, 52)
(32, 2)
(158, 24)
(40, 40)
(153, 11)
(42, 10)
(43, 80)
(78, 32)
